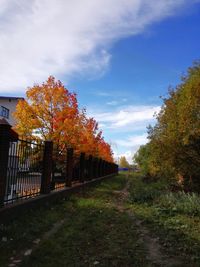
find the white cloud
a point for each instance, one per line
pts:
(112, 103)
(103, 94)
(128, 127)
(128, 154)
(125, 117)
(64, 38)
(132, 143)
(115, 103)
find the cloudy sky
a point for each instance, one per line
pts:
(118, 55)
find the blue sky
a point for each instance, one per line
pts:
(119, 58)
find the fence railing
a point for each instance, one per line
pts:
(24, 170)
(29, 168)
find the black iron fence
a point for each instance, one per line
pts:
(24, 170)
(58, 169)
(30, 168)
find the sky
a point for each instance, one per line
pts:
(119, 56)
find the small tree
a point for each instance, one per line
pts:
(123, 163)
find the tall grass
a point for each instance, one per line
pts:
(141, 191)
(157, 193)
(180, 202)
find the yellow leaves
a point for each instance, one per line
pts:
(174, 146)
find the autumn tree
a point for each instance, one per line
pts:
(104, 150)
(45, 110)
(123, 163)
(51, 112)
(174, 147)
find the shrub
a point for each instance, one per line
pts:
(180, 202)
(141, 191)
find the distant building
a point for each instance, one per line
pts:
(7, 107)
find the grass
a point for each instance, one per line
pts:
(143, 192)
(20, 233)
(94, 232)
(173, 216)
(180, 203)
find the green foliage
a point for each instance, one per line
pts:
(123, 163)
(180, 202)
(158, 193)
(174, 147)
(146, 191)
(173, 217)
(142, 158)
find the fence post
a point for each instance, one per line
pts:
(107, 168)
(110, 168)
(93, 167)
(90, 167)
(86, 169)
(69, 167)
(100, 168)
(47, 168)
(4, 154)
(82, 167)
(96, 168)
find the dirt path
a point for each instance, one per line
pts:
(155, 251)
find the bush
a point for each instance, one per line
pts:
(141, 191)
(180, 202)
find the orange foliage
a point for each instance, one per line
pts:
(51, 113)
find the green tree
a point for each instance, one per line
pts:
(173, 150)
(123, 163)
(141, 157)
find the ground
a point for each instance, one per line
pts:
(98, 227)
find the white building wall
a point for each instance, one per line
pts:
(9, 103)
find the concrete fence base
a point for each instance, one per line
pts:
(20, 208)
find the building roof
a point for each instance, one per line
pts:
(13, 135)
(11, 97)
(4, 122)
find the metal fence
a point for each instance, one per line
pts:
(24, 170)
(30, 168)
(58, 169)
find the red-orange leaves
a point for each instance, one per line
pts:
(52, 113)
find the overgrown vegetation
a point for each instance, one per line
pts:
(96, 232)
(173, 216)
(146, 191)
(180, 203)
(173, 150)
